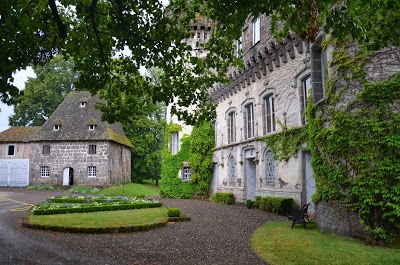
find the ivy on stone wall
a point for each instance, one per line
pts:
(200, 159)
(195, 149)
(355, 147)
(286, 143)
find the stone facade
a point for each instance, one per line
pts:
(243, 165)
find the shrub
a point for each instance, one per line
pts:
(249, 204)
(257, 201)
(223, 197)
(174, 212)
(283, 206)
(84, 189)
(42, 187)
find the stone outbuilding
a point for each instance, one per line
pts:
(73, 147)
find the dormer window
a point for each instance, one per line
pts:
(92, 127)
(56, 127)
(83, 104)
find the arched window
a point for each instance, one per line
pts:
(231, 127)
(269, 167)
(248, 118)
(232, 169)
(268, 112)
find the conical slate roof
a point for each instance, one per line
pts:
(73, 118)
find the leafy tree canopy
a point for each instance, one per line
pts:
(373, 23)
(95, 32)
(44, 93)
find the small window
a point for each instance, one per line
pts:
(45, 172)
(83, 104)
(269, 167)
(186, 174)
(56, 127)
(256, 30)
(46, 150)
(92, 149)
(11, 150)
(198, 35)
(92, 127)
(205, 35)
(239, 47)
(232, 169)
(92, 171)
(174, 143)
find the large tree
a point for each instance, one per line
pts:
(145, 127)
(44, 93)
(94, 32)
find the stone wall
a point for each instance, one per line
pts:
(270, 69)
(70, 155)
(334, 217)
(21, 151)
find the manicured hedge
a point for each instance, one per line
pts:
(223, 197)
(278, 205)
(108, 207)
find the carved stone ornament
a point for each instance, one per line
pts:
(266, 82)
(230, 102)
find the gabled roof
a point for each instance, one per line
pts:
(74, 120)
(18, 134)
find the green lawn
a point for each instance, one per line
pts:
(135, 217)
(277, 243)
(131, 189)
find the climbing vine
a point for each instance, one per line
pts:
(195, 149)
(354, 139)
(287, 143)
(355, 145)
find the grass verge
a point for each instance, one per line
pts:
(132, 189)
(137, 217)
(277, 243)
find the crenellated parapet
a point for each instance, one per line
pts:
(259, 61)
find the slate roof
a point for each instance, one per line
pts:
(18, 134)
(75, 120)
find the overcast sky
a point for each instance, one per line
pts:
(19, 81)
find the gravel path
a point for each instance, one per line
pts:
(217, 234)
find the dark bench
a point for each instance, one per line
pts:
(300, 216)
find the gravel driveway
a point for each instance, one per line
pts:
(217, 234)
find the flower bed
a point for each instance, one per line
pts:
(80, 204)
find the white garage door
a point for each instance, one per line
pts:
(14, 172)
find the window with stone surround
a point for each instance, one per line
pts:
(46, 149)
(232, 169)
(269, 167)
(44, 171)
(239, 47)
(186, 173)
(256, 30)
(174, 144)
(92, 171)
(231, 127)
(92, 149)
(305, 91)
(268, 114)
(248, 118)
(10, 149)
(318, 69)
